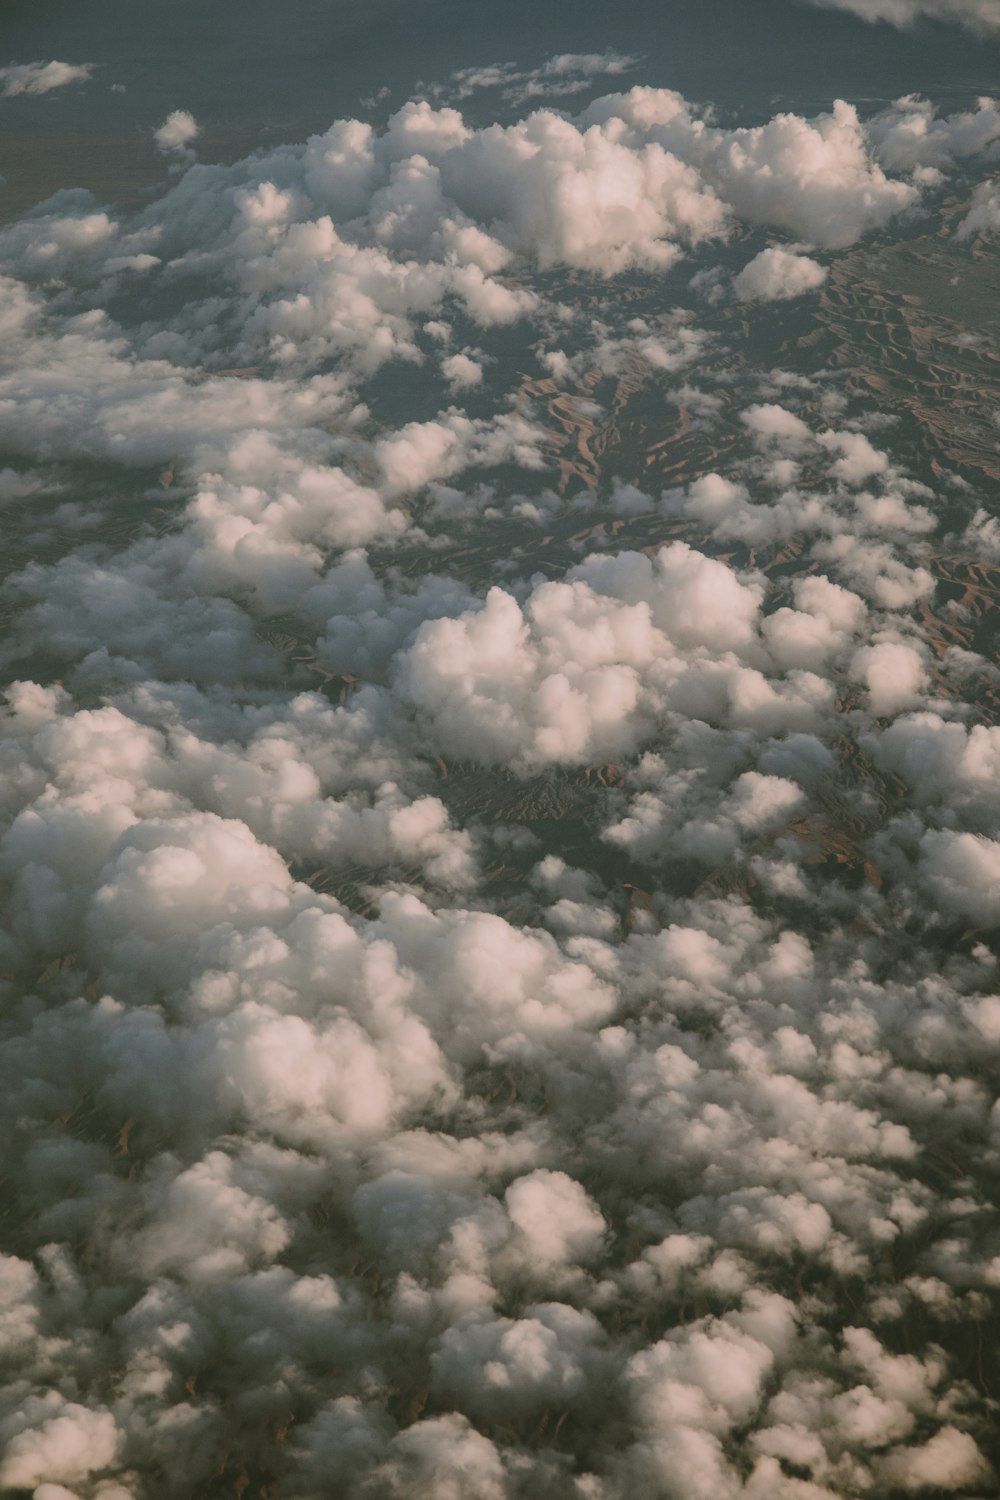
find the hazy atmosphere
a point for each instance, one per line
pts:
(500, 796)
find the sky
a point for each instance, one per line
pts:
(498, 812)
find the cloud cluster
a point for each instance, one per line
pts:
(587, 669)
(387, 224)
(475, 1024)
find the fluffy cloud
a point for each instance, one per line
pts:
(894, 674)
(813, 178)
(775, 275)
(632, 182)
(587, 668)
(52, 1440)
(461, 371)
(178, 130)
(984, 215)
(911, 135)
(950, 1460)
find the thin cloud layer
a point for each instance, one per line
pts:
(565, 74)
(980, 15)
(41, 77)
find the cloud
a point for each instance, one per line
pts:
(894, 674)
(636, 179)
(775, 275)
(461, 371)
(962, 870)
(814, 178)
(984, 215)
(177, 132)
(584, 671)
(979, 15)
(57, 1440)
(566, 73)
(442, 1456)
(911, 135)
(950, 1460)
(582, 197)
(487, 962)
(41, 78)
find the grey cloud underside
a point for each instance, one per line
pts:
(499, 996)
